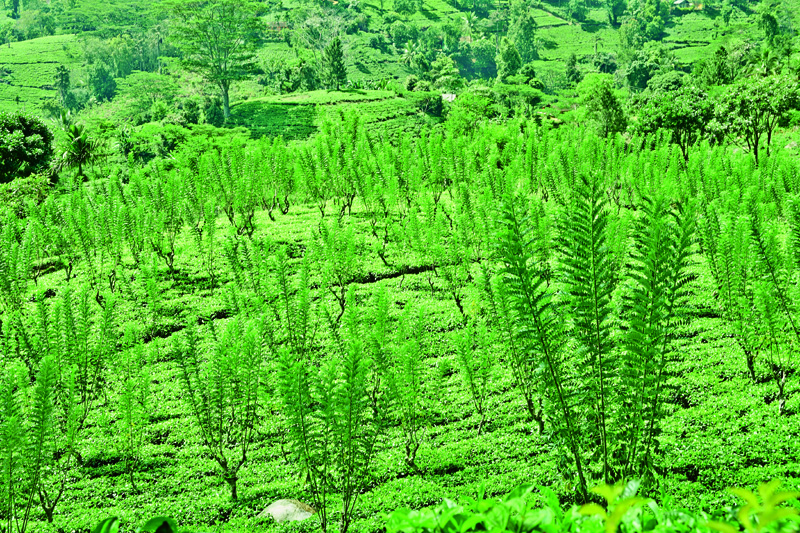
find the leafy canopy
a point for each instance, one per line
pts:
(25, 145)
(218, 40)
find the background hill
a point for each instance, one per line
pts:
(102, 44)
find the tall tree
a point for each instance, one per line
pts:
(754, 106)
(218, 40)
(602, 105)
(523, 34)
(508, 59)
(335, 72)
(615, 9)
(683, 112)
(572, 73)
(62, 82)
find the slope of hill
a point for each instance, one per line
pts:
(29, 69)
(296, 116)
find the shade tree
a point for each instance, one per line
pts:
(523, 34)
(683, 112)
(218, 40)
(508, 59)
(753, 108)
(25, 145)
(602, 105)
(333, 60)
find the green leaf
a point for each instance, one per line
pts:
(109, 525)
(592, 509)
(160, 524)
(723, 527)
(614, 519)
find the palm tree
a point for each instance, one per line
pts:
(414, 57)
(470, 21)
(79, 151)
(769, 64)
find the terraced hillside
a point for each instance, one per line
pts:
(296, 116)
(29, 68)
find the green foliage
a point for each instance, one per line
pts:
(39, 425)
(754, 107)
(645, 22)
(406, 383)
(602, 105)
(62, 82)
(476, 366)
(333, 59)
(134, 407)
(444, 74)
(661, 259)
(332, 432)
(102, 83)
(646, 64)
(80, 150)
(407, 7)
(222, 390)
(615, 9)
(338, 262)
(518, 511)
(25, 145)
(590, 282)
(684, 112)
(535, 322)
(522, 34)
(573, 74)
(760, 510)
(508, 59)
(19, 194)
(217, 38)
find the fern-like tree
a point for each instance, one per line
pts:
(725, 239)
(476, 365)
(590, 281)
(333, 58)
(26, 437)
(332, 428)
(222, 390)
(133, 412)
(661, 257)
(537, 326)
(600, 393)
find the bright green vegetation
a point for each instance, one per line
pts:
(30, 70)
(200, 317)
(297, 116)
(390, 255)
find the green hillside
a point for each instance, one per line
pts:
(400, 266)
(29, 70)
(297, 116)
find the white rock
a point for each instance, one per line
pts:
(287, 511)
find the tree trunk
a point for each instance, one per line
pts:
(755, 146)
(751, 365)
(226, 105)
(232, 482)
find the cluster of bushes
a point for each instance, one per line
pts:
(529, 509)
